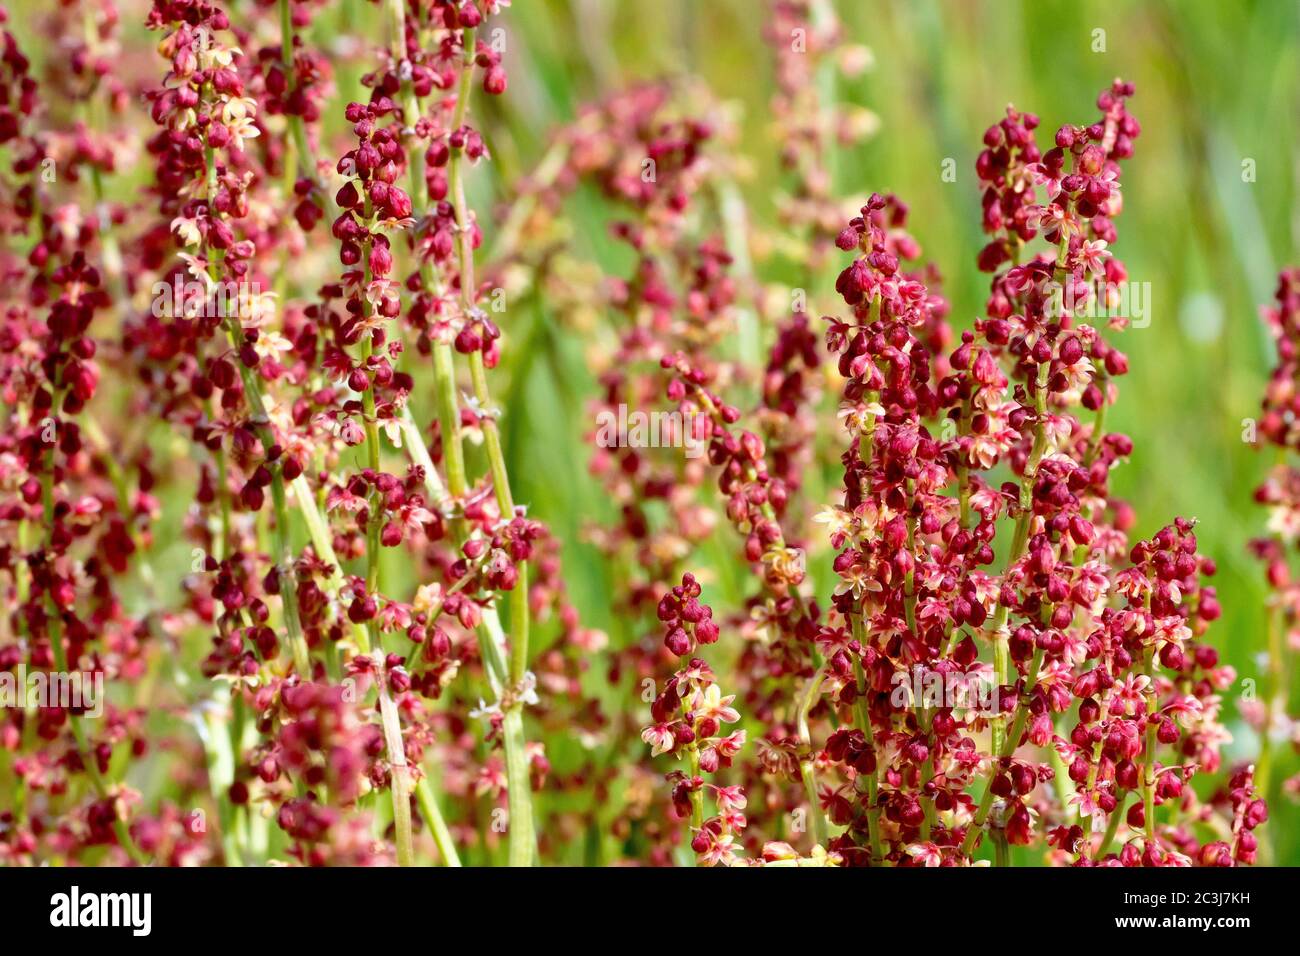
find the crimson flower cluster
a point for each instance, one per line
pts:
(1103, 698)
(690, 715)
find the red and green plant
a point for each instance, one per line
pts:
(370, 654)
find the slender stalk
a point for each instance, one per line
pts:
(401, 781)
(284, 547)
(522, 838)
(319, 533)
(807, 767)
(453, 452)
(1274, 700)
(1008, 748)
(862, 721)
(491, 432)
(1149, 755)
(963, 471)
(223, 499)
(401, 785)
(375, 518)
(419, 454)
(55, 624)
(306, 160)
(693, 760)
(1098, 426)
(927, 803)
(1061, 781)
(519, 623)
(1112, 827)
(1001, 851)
(492, 641)
(490, 635)
(437, 825)
(262, 421)
(443, 357)
(1020, 540)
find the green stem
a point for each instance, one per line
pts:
(1274, 700)
(491, 638)
(1149, 755)
(262, 421)
(419, 454)
(306, 160)
(862, 720)
(1001, 851)
(519, 616)
(1098, 427)
(401, 786)
(437, 824)
(1111, 828)
(376, 501)
(522, 838)
(927, 803)
(1008, 748)
(1020, 540)
(284, 547)
(321, 543)
(1001, 672)
(963, 471)
(693, 759)
(453, 452)
(697, 795)
(807, 766)
(223, 498)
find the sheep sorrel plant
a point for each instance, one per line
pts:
(1101, 700)
(411, 460)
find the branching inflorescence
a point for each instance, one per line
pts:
(1102, 699)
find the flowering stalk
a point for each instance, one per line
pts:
(297, 130)
(284, 547)
(1009, 744)
(1280, 493)
(522, 838)
(509, 681)
(468, 291)
(1020, 538)
(688, 716)
(807, 766)
(401, 785)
